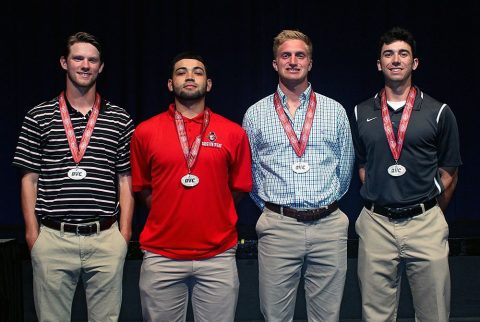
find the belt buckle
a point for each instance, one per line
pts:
(90, 225)
(393, 215)
(306, 217)
(299, 217)
(401, 213)
(77, 230)
(299, 214)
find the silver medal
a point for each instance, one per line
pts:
(300, 167)
(77, 174)
(396, 170)
(190, 180)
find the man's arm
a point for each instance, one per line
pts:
(126, 204)
(29, 183)
(237, 196)
(449, 177)
(250, 128)
(361, 174)
(346, 152)
(145, 197)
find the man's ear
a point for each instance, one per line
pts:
(274, 64)
(415, 63)
(209, 85)
(63, 62)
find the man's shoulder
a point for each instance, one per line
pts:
(112, 106)
(328, 103)
(115, 109)
(260, 105)
(430, 102)
(44, 107)
(368, 103)
(366, 106)
(326, 99)
(152, 122)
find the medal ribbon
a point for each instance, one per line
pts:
(396, 146)
(192, 153)
(298, 145)
(78, 151)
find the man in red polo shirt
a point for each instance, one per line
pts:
(189, 165)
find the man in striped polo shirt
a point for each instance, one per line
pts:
(73, 152)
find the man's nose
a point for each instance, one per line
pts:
(396, 59)
(190, 76)
(293, 60)
(85, 64)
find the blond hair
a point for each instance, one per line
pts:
(285, 35)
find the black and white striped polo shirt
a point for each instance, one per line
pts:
(43, 148)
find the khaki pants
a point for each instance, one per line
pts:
(60, 259)
(418, 245)
(288, 249)
(165, 285)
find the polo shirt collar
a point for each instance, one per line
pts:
(196, 119)
(417, 105)
(71, 110)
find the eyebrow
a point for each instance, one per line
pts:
(194, 68)
(389, 51)
(296, 52)
(84, 56)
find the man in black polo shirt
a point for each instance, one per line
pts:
(407, 151)
(74, 155)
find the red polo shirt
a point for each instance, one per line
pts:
(197, 222)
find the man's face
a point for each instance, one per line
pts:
(396, 62)
(82, 65)
(293, 62)
(189, 80)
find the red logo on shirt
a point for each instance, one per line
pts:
(212, 137)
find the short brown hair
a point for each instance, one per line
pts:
(82, 37)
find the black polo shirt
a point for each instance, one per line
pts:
(43, 148)
(431, 142)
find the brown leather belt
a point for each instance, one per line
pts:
(403, 212)
(303, 215)
(83, 229)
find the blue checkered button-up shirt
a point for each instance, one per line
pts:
(329, 153)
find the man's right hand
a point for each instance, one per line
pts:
(29, 184)
(31, 238)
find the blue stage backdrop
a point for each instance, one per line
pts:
(235, 37)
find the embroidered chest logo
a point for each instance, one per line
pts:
(212, 137)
